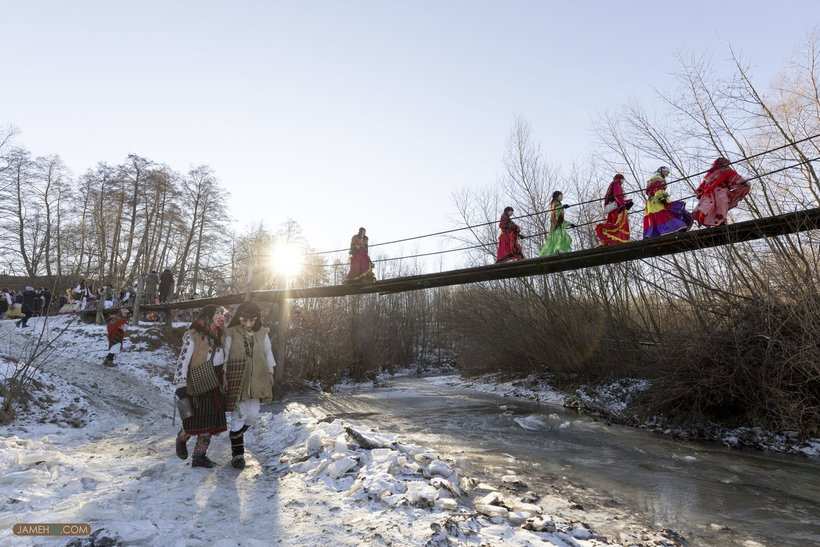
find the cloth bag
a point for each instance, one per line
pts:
(203, 378)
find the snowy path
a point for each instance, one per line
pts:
(306, 483)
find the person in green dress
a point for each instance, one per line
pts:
(558, 240)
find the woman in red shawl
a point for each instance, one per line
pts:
(616, 228)
(508, 234)
(361, 268)
(722, 189)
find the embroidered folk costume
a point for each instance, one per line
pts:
(249, 374)
(202, 346)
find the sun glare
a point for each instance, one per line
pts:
(287, 260)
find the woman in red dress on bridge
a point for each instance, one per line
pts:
(616, 228)
(508, 234)
(722, 189)
(361, 267)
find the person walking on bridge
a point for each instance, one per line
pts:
(558, 240)
(661, 215)
(151, 285)
(508, 235)
(361, 267)
(166, 286)
(722, 189)
(615, 229)
(248, 374)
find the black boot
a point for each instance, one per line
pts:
(202, 461)
(238, 448)
(182, 450)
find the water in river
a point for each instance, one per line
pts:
(710, 494)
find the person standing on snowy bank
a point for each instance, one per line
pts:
(199, 378)
(116, 336)
(249, 374)
(27, 307)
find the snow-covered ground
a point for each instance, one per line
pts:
(96, 446)
(611, 401)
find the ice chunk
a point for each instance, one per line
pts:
(341, 466)
(446, 485)
(530, 423)
(314, 444)
(490, 499)
(382, 455)
(420, 494)
(513, 481)
(446, 504)
(492, 510)
(441, 469)
(530, 508)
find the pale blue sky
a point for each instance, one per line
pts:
(342, 114)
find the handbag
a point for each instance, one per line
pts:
(203, 378)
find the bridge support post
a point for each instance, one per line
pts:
(137, 302)
(281, 347)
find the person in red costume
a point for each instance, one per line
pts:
(116, 336)
(616, 228)
(722, 189)
(508, 235)
(361, 267)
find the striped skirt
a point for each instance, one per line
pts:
(209, 414)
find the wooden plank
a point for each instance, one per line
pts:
(750, 230)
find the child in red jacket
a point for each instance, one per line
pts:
(116, 336)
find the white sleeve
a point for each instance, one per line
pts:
(219, 356)
(269, 360)
(184, 361)
(226, 348)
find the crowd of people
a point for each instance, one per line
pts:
(721, 190)
(25, 303)
(157, 289)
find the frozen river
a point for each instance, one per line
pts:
(710, 494)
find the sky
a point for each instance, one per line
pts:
(356, 113)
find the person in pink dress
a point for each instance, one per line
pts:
(722, 189)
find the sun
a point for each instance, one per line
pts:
(287, 259)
